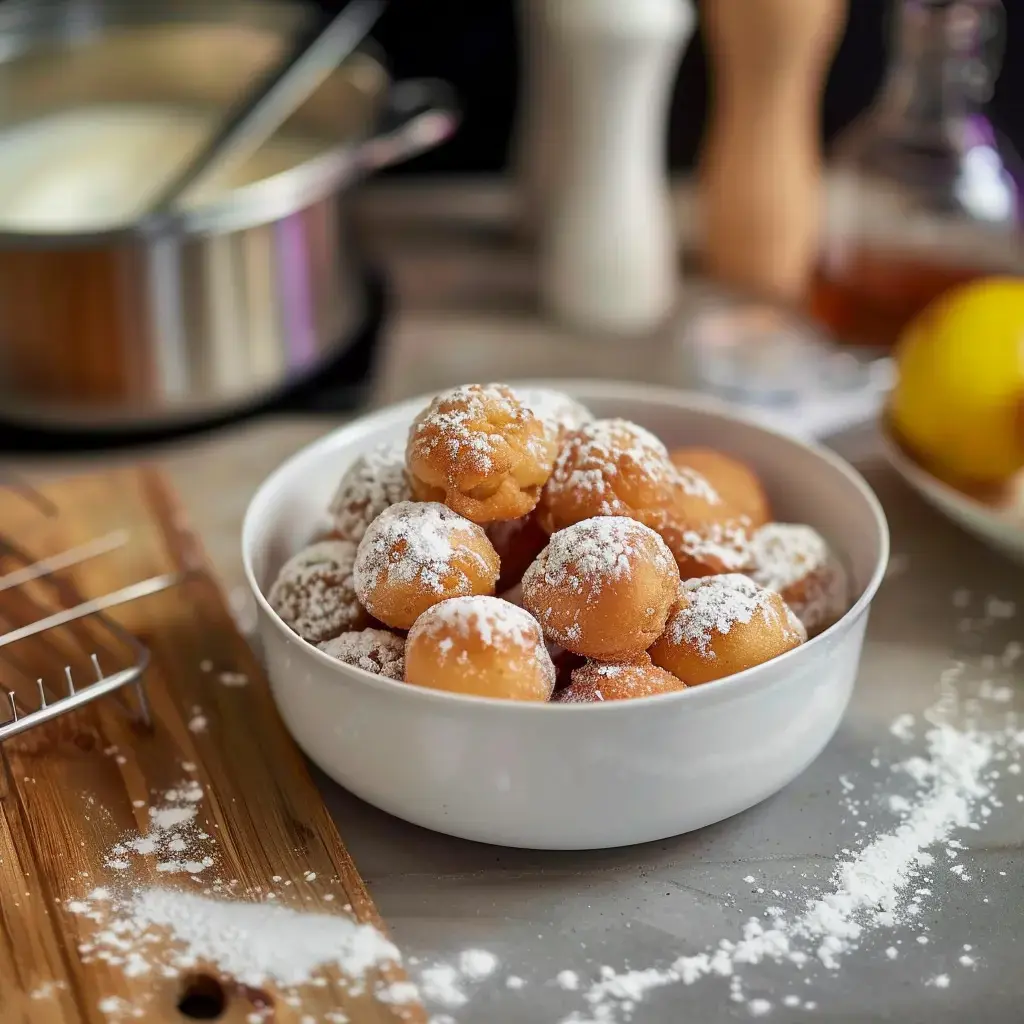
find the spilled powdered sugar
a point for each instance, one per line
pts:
(714, 604)
(373, 650)
(581, 558)
(420, 542)
(314, 593)
(161, 932)
(374, 482)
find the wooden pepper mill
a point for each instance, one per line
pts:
(760, 191)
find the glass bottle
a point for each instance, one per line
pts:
(925, 193)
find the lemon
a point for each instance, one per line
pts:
(958, 402)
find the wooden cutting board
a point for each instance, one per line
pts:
(79, 783)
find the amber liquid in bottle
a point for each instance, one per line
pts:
(878, 293)
(923, 199)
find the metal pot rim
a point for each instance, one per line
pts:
(252, 205)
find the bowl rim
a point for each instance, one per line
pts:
(726, 688)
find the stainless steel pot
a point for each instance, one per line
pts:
(228, 301)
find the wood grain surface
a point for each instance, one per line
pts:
(79, 783)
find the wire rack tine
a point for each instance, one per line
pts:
(73, 696)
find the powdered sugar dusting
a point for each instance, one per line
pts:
(421, 542)
(559, 413)
(373, 650)
(374, 482)
(712, 605)
(469, 425)
(795, 561)
(491, 619)
(596, 455)
(314, 592)
(581, 558)
(727, 545)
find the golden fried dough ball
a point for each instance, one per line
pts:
(482, 646)
(415, 554)
(482, 452)
(721, 625)
(597, 681)
(708, 549)
(374, 482)
(314, 593)
(795, 561)
(608, 468)
(735, 482)
(518, 542)
(373, 650)
(559, 413)
(602, 588)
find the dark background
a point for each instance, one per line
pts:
(472, 44)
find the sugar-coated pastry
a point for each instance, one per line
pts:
(373, 650)
(602, 588)
(708, 549)
(560, 413)
(482, 646)
(795, 561)
(314, 593)
(608, 468)
(416, 554)
(735, 482)
(374, 482)
(721, 625)
(597, 681)
(482, 452)
(518, 542)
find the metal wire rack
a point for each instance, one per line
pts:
(52, 701)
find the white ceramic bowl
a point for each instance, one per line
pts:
(1002, 529)
(551, 776)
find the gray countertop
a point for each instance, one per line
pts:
(541, 913)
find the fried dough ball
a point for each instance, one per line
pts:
(314, 593)
(795, 561)
(608, 468)
(602, 588)
(518, 542)
(416, 554)
(374, 482)
(721, 625)
(734, 481)
(559, 413)
(482, 452)
(595, 681)
(482, 646)
(373, 650)
(708, 549)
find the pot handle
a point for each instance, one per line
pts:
(418, 114)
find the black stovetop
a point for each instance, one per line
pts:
(340, 386)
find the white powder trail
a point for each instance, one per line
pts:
(867, 887)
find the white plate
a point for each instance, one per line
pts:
(564, 776)
(1001, 529)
